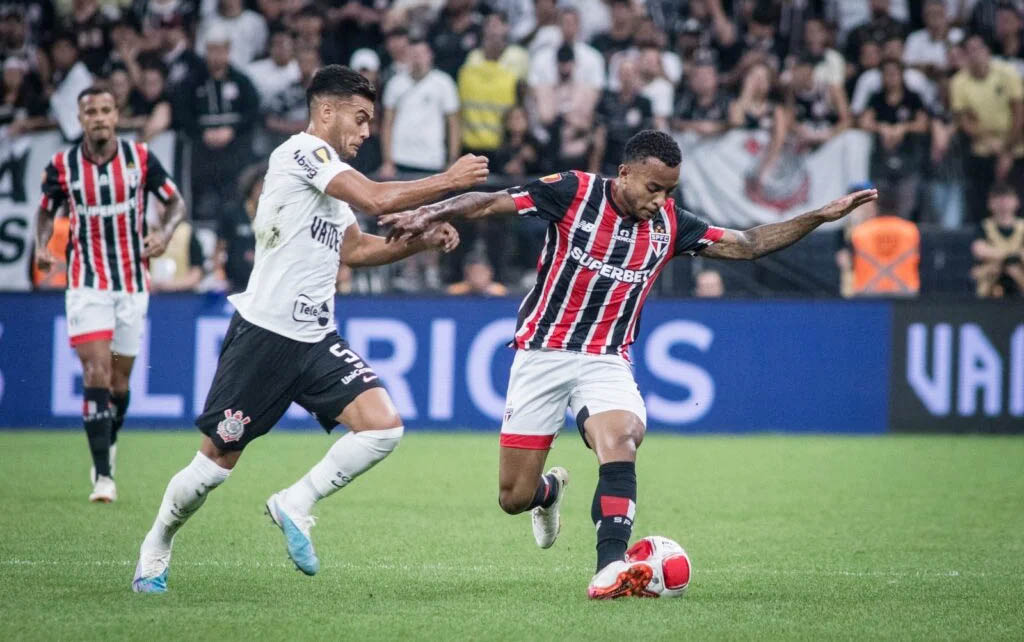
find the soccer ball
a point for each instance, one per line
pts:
(670, 563)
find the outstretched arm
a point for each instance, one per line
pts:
(377, 199)
(363, 250)
(472, 205)
(765, 239)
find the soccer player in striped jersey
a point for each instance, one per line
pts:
(607, 241)
(102, 184)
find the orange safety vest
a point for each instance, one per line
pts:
(886, 254)
(56, 278)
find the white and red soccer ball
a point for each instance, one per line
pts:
(669, 561)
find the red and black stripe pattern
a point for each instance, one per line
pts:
(107, 207)
(598, 264)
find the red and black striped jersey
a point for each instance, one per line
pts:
(107, 207)
(598, 264)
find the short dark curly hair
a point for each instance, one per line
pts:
(339, 82)
(651, 143)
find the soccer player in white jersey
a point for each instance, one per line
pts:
(282, 345)
(607, 241)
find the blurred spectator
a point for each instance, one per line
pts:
(69, 77)
(945, 171)
(91, 24)
(355, 24)
(180, 267)
(367, 63)
(246, 29)
(655, 86)
(879, 27)
(488, 87)
(182, 63)
(928, 49)
(985, 16)
(35, 18)
(700, 24)
(421, 111)
(758, 108)
(22, 105)
(999, 247)
(566, 111)
(870, 81)
(619, 115)
(897, 117)
(308, 25)
(987, 99)
(708, 284)
(236, 243)
(16, 40)
(881, 257)
(286, 112)
(1009, 37)
(519, 154)
(757, 43)
(588, 64)
(478, 278)
(819, 110)
(455, 34)
(829, 65)
(520, 16)
(396, 49)
(220, 110)
(279, 70)
(703, 107)
(620, 36)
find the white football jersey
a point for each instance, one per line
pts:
(298, 230)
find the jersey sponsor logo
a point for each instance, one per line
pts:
(306, 310)
(607, 270)
(232, 427)
(305, 164)
(626, 235)
(359, 367)
(551, 178)
(107, 210)
(321, 154)
(659, 239)
(326, 233)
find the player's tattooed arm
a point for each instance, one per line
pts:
(472, 205)
(765, 239)
(173, 214)
(359, 249)
(44, 230)
(377, 199)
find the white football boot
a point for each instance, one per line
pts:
(621, 579)
(113, 465)
(151, 570)
(546, 522)
(104, 490)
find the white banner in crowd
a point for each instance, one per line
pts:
(717, 176)
(22, 161)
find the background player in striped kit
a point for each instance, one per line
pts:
(102, 183)
(607, 241)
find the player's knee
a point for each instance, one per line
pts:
(383, 440)
(624, 440)
(96, 373)
(514, 500)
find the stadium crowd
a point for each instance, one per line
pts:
(540, 86)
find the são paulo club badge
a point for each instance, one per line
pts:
(232, 427)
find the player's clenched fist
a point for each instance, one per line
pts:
(468, 171)
(442, 237)
(44, 258)
(405, 225)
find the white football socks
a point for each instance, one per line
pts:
(352, 455)
(185, 493)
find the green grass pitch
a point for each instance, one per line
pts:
(791, 538)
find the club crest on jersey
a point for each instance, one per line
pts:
(508, 415)
(321, 154)
(232, 426)
(659, 238)
(551, 178)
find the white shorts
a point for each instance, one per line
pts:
(102, 315)
(544, 383)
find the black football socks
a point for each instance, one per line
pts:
(546, 494)
(97, 416)
(613, 510)
(120, 405)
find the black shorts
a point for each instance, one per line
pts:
(260, 373)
